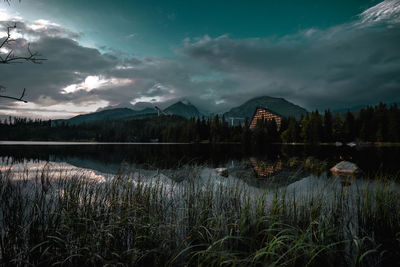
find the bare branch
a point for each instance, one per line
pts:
(8, 1)
(7, 39)
(11, 58)
(33, 57)
(15, 98)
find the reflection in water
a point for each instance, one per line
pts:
(98, 207)
(183, 171)
(35, 170)
(299, 186)
(265, 169)
(294, 186)
(172, 159)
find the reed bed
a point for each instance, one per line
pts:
(69, 219)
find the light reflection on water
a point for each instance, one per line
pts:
(30, 170)
(108, 158)
(244, 174)
(296, 184)
(59, 143)
(298, 188)
(273, 166)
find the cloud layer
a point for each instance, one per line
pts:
(343, 66)
(355, 63)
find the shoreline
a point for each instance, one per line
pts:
(29, 142)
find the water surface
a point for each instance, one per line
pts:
(263, 163)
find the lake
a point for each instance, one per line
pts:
(166, 194)
(257, 166)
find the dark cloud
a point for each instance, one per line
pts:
(70, 63)
(343, 66)
(67, 63)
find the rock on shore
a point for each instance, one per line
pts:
(345, 167)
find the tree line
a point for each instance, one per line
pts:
(371, 124)
(380, 123)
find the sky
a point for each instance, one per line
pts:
(216, 54)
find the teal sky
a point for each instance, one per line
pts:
(216, 54)
(156, 28)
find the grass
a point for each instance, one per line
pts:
(69, 219)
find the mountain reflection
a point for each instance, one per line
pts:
(242, 161)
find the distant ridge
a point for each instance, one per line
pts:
(277, 105)
(184, 109)
(108, 114)
(187, 110)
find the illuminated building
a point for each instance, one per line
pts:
(265, 114)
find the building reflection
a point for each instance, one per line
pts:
(264, 169)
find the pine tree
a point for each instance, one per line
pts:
(215, 130)
(394, 124)
(272, 131)
(312, 128)
(381, 122)
(349, 127)
(292, 133)
(246, 133)
(337, 128)
(328, 126)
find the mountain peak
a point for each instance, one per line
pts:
(186, 102)
(142, 105)
(275, 104)
(182, 102)
(183, 108)
(186, 109)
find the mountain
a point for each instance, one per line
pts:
(278, 105)
(142, 105)
(109, 114)
(184, 109)
(121, 105)
(187, 110)
(181, 108)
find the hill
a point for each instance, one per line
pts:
(278, 105)
(181, 108)
(184, 109)
(187, 110)
(109, 114)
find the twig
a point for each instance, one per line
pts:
(15, 98)
(33, 57)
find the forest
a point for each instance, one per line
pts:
(380, 123)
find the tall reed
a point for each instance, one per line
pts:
(69, 219)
